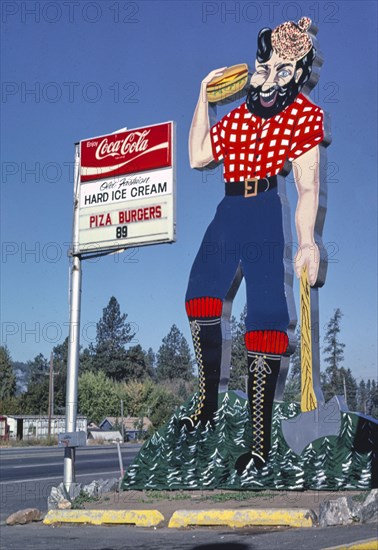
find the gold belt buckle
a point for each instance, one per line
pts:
(250, 191)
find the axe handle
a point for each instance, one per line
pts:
(308, 397)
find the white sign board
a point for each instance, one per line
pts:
(127, 189)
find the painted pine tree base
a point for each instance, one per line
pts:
(175, 459)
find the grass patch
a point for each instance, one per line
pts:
(151, 496)
(165, 495)
(242, 495)
(83, 498)
(31, 442)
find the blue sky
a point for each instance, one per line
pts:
(74, 70)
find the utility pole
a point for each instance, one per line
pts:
(51, 395)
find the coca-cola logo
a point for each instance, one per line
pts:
(136, 150)
(134, 142)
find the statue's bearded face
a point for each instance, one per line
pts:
(274, 86)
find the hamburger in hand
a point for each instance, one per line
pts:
(230, 83)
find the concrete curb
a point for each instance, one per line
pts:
(139, 518)
(242, 518)
(368, 544)
(183, 518)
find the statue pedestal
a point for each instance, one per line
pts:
(175, 459)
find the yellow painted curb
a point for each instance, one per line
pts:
(140, 518)
(242, 518)
(368, 544)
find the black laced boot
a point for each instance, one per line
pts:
(263, 372)
(207, 342)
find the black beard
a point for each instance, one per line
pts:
(285, 95)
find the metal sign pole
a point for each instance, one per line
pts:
(51, 395)
(74, 334)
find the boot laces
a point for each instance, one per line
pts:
(259, 365)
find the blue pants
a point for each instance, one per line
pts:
(246, 233)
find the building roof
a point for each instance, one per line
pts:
(107, 435)
(92, 426)
(130, 423)
(40, 416)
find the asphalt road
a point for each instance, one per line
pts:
(27, 474)
(41, 537)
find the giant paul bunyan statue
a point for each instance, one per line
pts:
(274, 126)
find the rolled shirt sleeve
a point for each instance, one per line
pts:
(308, 132)
(216, 137)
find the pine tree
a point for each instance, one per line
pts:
(174, 358)
(7, 376)
(372, 398)
(351, 388)
(239, 358)
(333, 356)
(60, 362)
(362, 397)
(35, 400)
(113, 333)
(137, 364)
(293, 384)
(20, 370)
(151, 361)
(38, 368)
(368, 398)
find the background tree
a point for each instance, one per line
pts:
(7, 375)
(113, 332)
(60, 361)
(137, 396)
(292, 390)
(37, 369)
(86, 361)
(238, 353)
(362, 397)
(372, 405)
(137, 365)
(36, 398)
(333, 350)
(98, 396)
(151, 360)
(367, 398)
(174, 359)
(21, 372)
(156, 401)
(161, 405)
(349, 388)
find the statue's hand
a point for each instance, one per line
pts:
(211, 75)
(308, 255)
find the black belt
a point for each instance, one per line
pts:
(251, 186)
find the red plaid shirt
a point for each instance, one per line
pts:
(252, 149)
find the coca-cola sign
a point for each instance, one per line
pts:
(135, 150)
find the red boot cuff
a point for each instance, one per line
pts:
(267, 341)
(197, 308)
